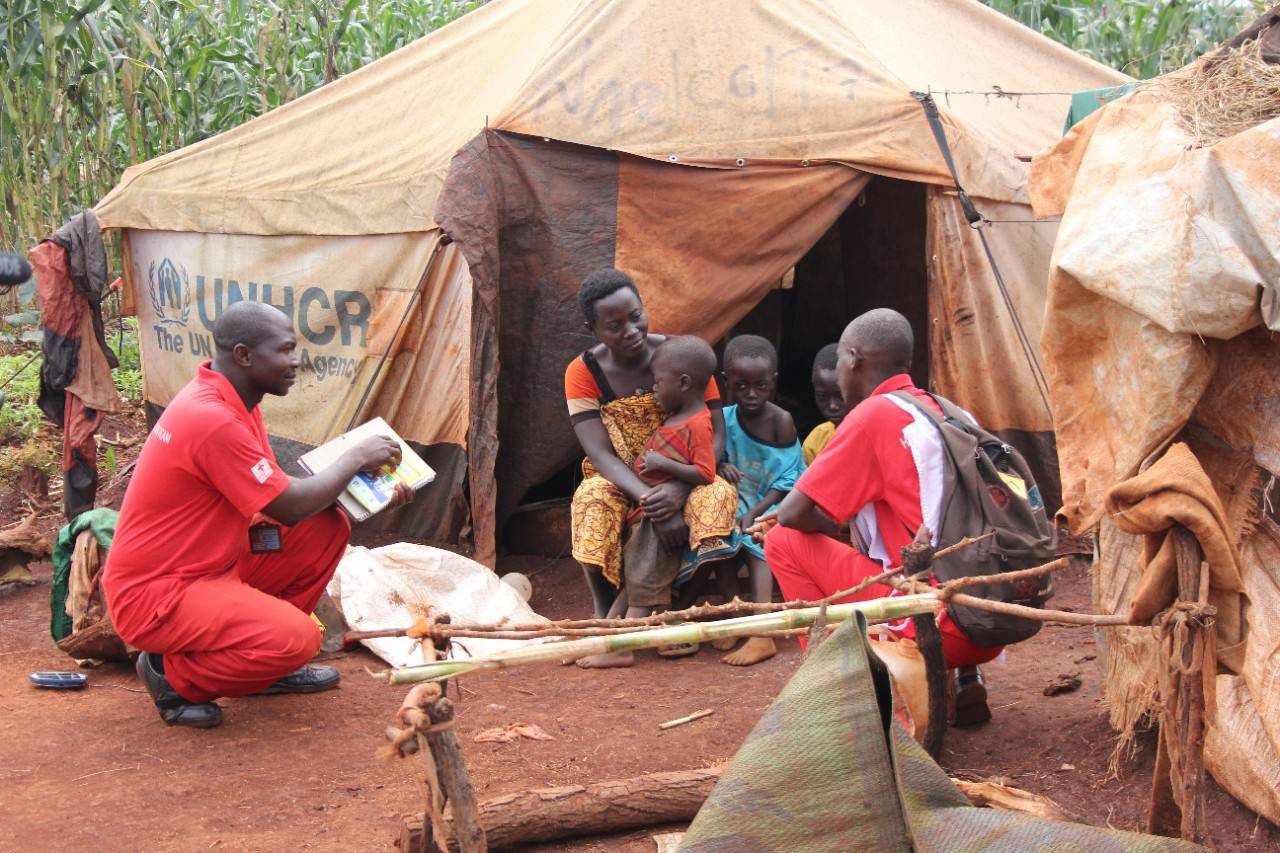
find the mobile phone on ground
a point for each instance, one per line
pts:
(59, 680)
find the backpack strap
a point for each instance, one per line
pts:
(951, 413)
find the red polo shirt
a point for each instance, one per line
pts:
(204, 471)
(883, 473)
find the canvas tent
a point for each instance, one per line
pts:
(705, 148)
(1160, 327)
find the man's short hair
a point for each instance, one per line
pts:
(600, 285)
(750, 346)
(248, 323)
(884, 333)
(688, 354)
(826, 358)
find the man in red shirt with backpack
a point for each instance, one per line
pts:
(219, 556)
(882, 473)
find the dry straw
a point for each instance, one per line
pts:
(1223, 94)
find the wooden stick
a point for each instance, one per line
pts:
(680, 721)
(454, 778)
(1007, 577)
(1058, 617)
(929, 642)
(1182, 810)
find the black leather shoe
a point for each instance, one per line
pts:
(971, 697)
(174, 710)
(309, 679)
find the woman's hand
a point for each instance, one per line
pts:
(732, 473)
(665, 501)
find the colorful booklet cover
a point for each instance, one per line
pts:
(368, 493)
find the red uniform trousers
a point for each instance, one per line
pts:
(237, 633)
(812, 565)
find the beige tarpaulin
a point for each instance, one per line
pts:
(971, 325)
(1162, 249)
(779, 109)
(1161, 306)
(719, 79)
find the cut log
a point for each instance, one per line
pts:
(546, 814)
(573, 810)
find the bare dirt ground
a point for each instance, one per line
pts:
(96, 769)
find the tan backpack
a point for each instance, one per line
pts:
(987, 487)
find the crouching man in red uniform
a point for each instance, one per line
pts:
(215, 616)
(882, 473)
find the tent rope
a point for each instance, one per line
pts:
(980, 223)
(408, 309)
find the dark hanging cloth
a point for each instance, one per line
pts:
(71, 277)
(77, 288)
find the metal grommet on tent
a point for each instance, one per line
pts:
(804, 162)
(673, 158)
(741, 162)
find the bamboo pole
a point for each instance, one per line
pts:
(877, 610)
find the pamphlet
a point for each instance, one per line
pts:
(368, 493)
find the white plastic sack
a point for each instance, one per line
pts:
(392, 586)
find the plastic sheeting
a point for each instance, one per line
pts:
(1159, 326)
(392, 587)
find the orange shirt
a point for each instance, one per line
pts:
(586, 388)
(689, 443)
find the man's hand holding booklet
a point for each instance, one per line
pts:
(377, 487)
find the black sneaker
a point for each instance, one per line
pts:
(308, 679)
(173, 709)
(971, 697)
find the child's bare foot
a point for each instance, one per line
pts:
(754, 650)
(724, 643)
(613, 660)
(678, 650)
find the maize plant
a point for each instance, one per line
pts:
(1142, 38)
(88, 87)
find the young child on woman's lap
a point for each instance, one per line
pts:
(763, 459)
(682, 448)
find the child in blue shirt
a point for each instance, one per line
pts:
(762, 458)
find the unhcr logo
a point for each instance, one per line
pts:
(329, 322)
(170, 293)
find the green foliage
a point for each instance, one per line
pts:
(88, 87)
(1142, 38)
(19, 416)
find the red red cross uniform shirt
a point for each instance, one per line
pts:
(882, 472)
(205, 470)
